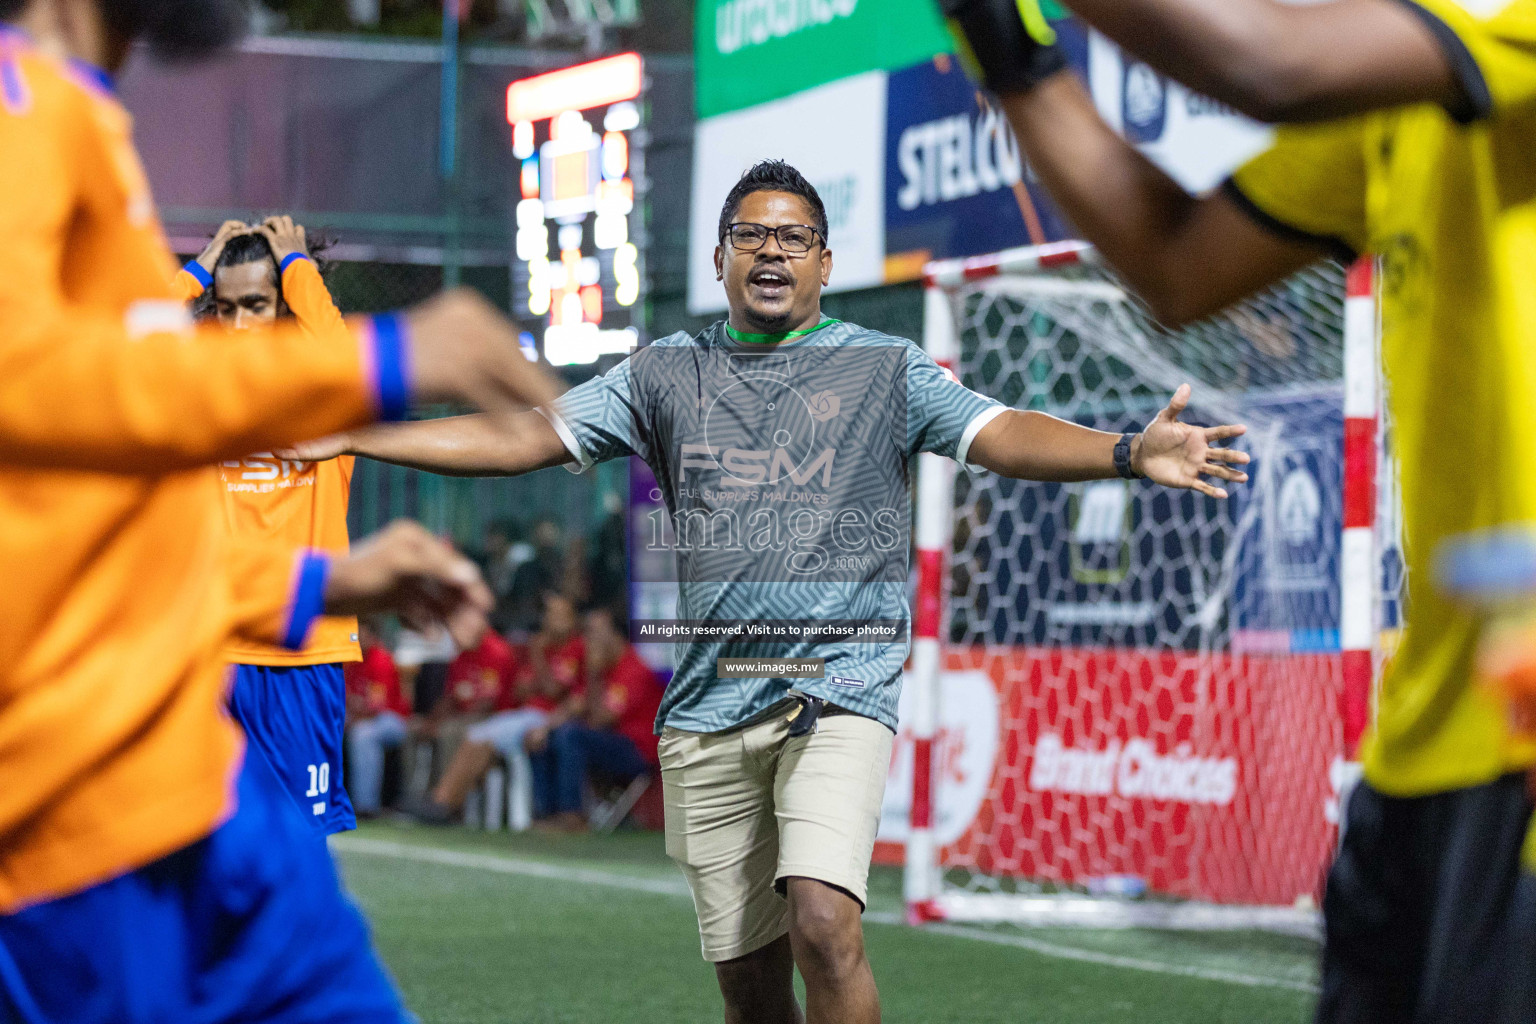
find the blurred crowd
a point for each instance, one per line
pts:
(554, 697)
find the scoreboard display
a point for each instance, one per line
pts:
(579, 268)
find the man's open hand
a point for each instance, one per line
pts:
(1177, 454)
(404, 569)
(284, 236)
(215, 247)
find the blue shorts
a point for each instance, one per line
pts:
(248, 924)
(295, 719)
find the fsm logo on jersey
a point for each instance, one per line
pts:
(263, 472)
(768, 478)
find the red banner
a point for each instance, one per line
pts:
(1207, 776)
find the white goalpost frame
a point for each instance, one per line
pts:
(927, 899)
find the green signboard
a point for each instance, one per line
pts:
(753, 51)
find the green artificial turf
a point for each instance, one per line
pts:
(608, 934)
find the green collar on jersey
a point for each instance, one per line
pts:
(773, 339)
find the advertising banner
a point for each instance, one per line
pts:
(748, 52)
(835, 136)
(921, 168)
(1286, 596)
(1206, 781)
(955, 181)
(1195, 139)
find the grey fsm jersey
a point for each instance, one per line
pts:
(784, 470)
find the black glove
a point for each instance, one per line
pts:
(1006, 45)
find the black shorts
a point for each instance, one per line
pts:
(1428, 915)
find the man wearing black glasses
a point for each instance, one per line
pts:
(781, 440)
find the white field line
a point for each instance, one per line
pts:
(512, 866)
(523, 867)
(1089, 956)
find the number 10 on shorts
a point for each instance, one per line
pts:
(319, 784)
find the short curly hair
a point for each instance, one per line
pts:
(773, 176)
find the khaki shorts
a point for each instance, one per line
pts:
(752, 806)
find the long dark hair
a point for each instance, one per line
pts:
(252, 247)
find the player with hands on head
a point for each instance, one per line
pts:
(291, 704)
(244, 271)
(1411, 141)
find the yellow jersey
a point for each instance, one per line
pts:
(114, 746)
(1447, 200)
(295, 504)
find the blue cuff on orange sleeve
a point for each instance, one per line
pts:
(391, 372)
(288, 261)
(196, 270)
(308, 599)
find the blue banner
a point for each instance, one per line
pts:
(955, 181)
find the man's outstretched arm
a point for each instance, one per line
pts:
(1034, 446)
(76, 392)
(453, 446)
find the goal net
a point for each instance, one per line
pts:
(1129, 704)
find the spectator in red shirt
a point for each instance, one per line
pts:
(611, 731)
(377, 720)
(477, 681)
(557, 662)
(545, 687)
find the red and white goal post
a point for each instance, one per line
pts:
(1128, 706)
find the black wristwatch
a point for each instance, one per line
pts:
(1123, 457)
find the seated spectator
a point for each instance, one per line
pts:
(541, 570)
(501, 553)
(613, 731)
(478, 681)
(547, 688)
(423, 660)
(377, 720)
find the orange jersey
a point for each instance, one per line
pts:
(298, 504)
(114, 746)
